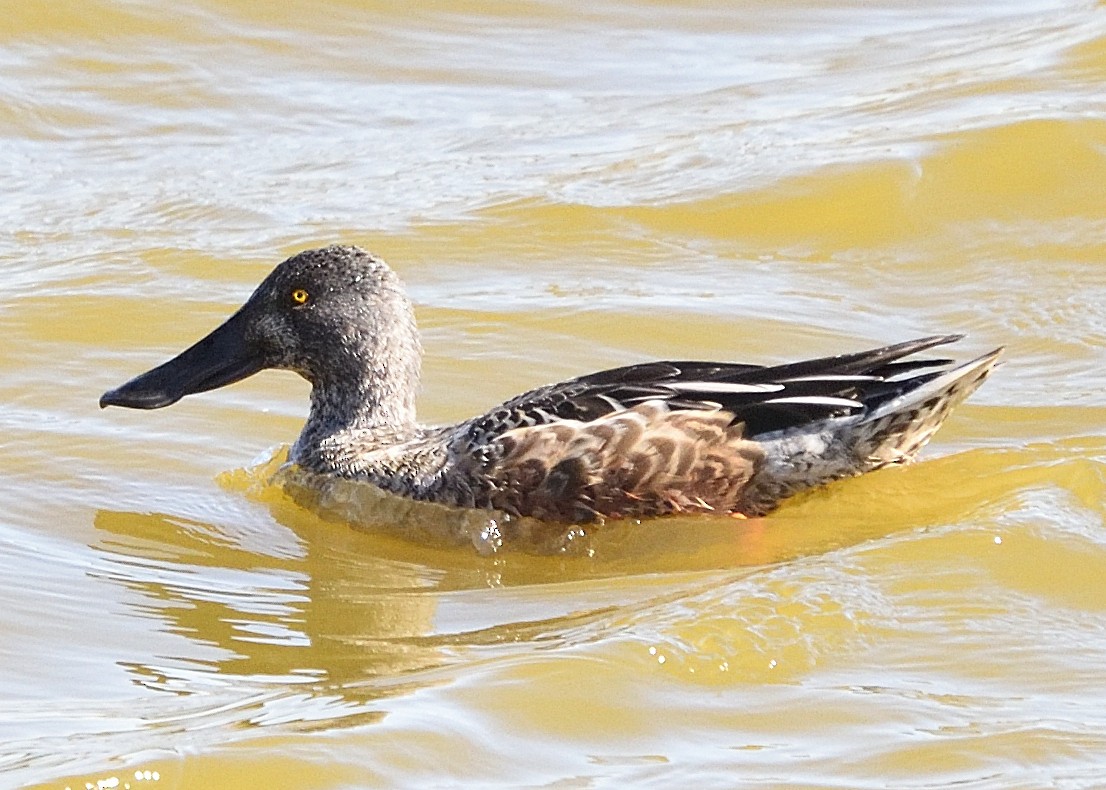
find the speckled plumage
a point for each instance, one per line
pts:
(642, 440)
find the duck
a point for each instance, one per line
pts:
(643, 440)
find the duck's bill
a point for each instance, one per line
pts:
(221, 358)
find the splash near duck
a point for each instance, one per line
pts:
(642, 440)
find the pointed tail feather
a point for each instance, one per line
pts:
(900, 427)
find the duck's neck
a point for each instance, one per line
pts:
(364, 399)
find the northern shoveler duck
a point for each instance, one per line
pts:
(641, 440)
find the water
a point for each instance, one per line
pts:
(563, 189)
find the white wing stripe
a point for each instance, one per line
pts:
(721, 386)
(818, 400)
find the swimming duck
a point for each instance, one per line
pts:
(642, 440)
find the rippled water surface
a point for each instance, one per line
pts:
(564, 188)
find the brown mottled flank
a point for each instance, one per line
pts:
(644, 460)
(642, 440)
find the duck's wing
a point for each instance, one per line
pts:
(668, 437)
(763, 398)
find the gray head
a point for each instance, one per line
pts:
(338, 316)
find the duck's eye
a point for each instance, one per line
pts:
(300, 296)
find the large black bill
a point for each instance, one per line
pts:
(221, 358)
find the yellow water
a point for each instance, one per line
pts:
(564, 188)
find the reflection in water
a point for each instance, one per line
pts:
(303, 630)
(298, 639)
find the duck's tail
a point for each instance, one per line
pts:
(892, 432)
(896, 430)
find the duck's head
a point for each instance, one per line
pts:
(337, 316)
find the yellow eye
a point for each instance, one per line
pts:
(300, 296)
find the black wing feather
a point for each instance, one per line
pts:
(765, 398)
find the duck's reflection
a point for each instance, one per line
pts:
(319, 619)
(326, 619)
(273, 600)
